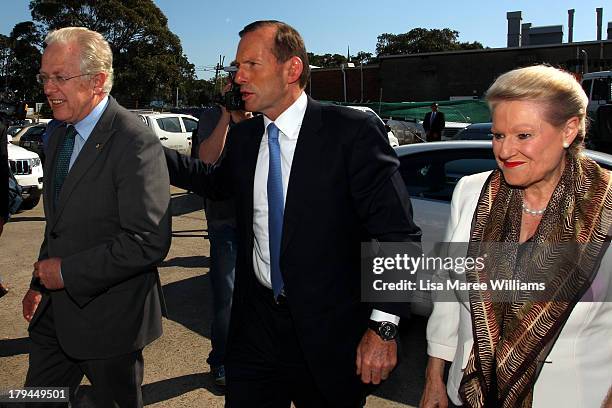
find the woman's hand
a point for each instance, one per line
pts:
(434, 394)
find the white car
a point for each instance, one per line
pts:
(28, 171)
(392, 139)
(173, 129)
(431, 171)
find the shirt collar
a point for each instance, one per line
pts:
(290, 121)
(87, 124)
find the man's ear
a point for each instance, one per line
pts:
(295, 68)
(99, 81)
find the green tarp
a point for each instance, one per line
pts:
(470, 111)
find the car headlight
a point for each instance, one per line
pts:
(34, 162)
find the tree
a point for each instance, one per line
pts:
(365, 58)
(22, 61)
(148, 58)
(326, 60)
(422, 40)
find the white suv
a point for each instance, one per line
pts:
(173, 129)
(28, 171)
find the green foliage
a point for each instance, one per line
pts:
(148, 61)
(326, 60)
(20, 61)
(422, 40)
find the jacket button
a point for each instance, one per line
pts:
(53, 235)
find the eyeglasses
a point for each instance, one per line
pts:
(55, 79)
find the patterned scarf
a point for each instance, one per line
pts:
(512, 339)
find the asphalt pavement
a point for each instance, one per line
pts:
(176, 373)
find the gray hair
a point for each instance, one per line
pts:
(557, 90)
(95, 52)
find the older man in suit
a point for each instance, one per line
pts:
(310, 182)
(95, 299)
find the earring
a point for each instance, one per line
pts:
(565, 145)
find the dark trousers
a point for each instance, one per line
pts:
(222, 265)
(434, 136)
(265, 366)
(116, 382)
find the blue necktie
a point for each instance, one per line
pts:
(63, 161)
(275, 209)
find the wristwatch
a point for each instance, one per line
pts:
(386, 330)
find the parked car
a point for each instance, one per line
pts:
(476, 131)
(173, 129)
(31, 139)
(598, 87)
(407, 131)
(392, 139)
(431, 171)
(28, 170)
(37, 128)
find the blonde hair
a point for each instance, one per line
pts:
(557, 90)
(95, 53)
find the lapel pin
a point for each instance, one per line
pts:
(99, 146)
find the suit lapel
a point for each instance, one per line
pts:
(98, 138)
(309, 145)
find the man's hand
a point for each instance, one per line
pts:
(240, 115)
(376, 358)
(48, 271)
(30, 303)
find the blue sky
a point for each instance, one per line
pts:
(208, 29)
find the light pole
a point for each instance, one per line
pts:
(585, 67)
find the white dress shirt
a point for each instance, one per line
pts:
(289, 124)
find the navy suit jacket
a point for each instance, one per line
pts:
(344, 189)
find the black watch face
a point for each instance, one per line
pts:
(388, 331)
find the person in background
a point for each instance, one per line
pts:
(213, 128)
(528, 353)
(4, 176)
(434, 123)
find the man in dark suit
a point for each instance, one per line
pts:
(310, 182)
(95, 300)
(3, 174)
(433, 123)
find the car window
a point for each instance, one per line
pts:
(171, 124)
(190, 124)
(586, 85)
(434, 174)
(13, 130)
(601, 90)
(34, 131)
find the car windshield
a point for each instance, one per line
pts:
(13, 130)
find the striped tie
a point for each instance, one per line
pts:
(275, 209)
(63, 161)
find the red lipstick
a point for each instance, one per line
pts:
(512, 164)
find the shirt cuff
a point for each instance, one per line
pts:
(380, 316)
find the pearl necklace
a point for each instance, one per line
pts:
(535, 213)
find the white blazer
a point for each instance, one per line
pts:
(579, 368)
